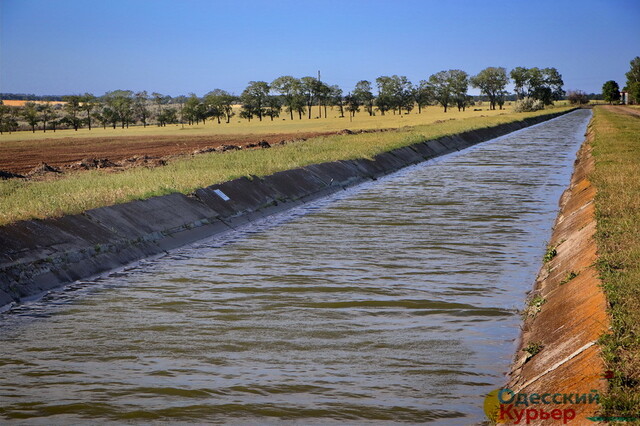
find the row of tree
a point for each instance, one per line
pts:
(296, 96)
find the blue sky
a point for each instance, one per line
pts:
(181, 46)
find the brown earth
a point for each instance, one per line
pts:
(572, 318)
(60, 153)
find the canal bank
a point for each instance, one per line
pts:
(558, 354)
(38, 255)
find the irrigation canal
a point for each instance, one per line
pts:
(397, 300)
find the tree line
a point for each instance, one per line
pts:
(290, 96)
(611, 90)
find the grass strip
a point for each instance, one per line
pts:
(616, 149)
(78, 192)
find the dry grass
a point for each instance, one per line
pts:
(617, 180)
(283, 124)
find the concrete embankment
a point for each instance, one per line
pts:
(558, 352)
(38, 255)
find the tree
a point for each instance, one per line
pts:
(540, 84)
(254, 98)
(362, 93)
(384, 101)
(8, 121)
(191, 109)
(520, 76)
(611, 91)
(311, 88)
(324, 97)
(440, 85)
(46, 114)
(120, 103)
(577, 97)
(160, 100)
(87, 104)
(491, 81)
(220, 104)
(273, 107)
(633, 80)
(459, 87)
(30, 114)
(422, 95)
(140, 107)
(353, 104)
(290, 89)
(335, 96)
(72, 108)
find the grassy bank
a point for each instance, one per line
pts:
(616, 149)
(82, 191)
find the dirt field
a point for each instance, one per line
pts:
(60, 153)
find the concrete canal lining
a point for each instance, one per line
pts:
(39, 255)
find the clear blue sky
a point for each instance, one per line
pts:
(181, 46)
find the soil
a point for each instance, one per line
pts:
(568, 324)
(71, 152)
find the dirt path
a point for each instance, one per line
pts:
(623, 110)
(571, 314)
(23, 157)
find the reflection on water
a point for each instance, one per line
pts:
(394, 301)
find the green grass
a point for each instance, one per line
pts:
(75, 193)
(616, 149)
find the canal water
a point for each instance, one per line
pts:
(395, 301)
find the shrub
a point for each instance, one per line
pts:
(527, 105)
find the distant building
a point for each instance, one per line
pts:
(624, 98)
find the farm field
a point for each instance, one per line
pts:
(76, 192)
(21, 151)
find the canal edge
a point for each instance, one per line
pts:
(566, 313)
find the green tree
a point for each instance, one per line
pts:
(47, 114)
(633, 80)
(611, 91)
(541, 84)
(254, 98)
(8, 118)
(191, 109)
(384, 100)
(72, 109)
(291, 90)
(120, 103)
(422, 95)
(141, 107)
(441, 86)
(273, 107)
(520, 77)
(30, 115)
(88, 103)
(491, 81)
(335, 98)
(459, 87)
(161, 101)
(353, 104)
(311, 88)
(364, 96)
(220, 104)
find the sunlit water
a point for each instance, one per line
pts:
(394, 301)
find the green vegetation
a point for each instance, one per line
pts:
(78, 192)
(616, 149)
(535, 305)
(533, 348)
(570, 275)
(550, 254)
(611, 91)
